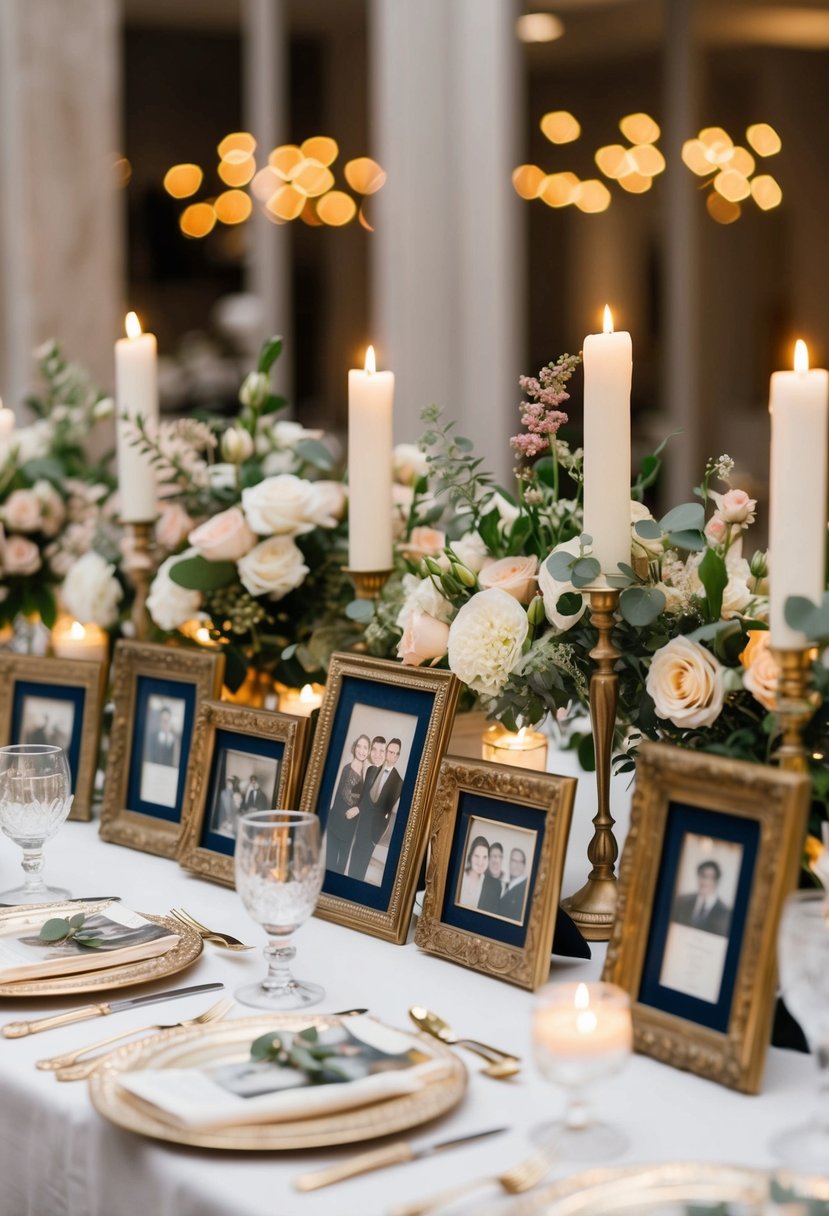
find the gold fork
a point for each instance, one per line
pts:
(521, 1177)
(69, 1058)
(209, 935)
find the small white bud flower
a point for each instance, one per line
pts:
(255, 389)
(236, 445)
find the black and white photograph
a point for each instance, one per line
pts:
(47, 720)
(162, 750)
(498, 861)
(703, 904)
(245, 782)
(366, 799)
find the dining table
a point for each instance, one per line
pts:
(59, 1157)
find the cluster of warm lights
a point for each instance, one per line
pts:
(730, 169)
(634, 167)
(296, 183)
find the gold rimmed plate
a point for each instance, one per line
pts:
(123, 975)
(228, 1042)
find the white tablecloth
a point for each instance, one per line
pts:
(58, 1157)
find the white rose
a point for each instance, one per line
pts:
(471, 551)
(285, 506)
(23, 512)
(516, 575)
(552, 590)
(237, 444)
(423, 596)
(331, 498)
(221, 476)
(33, 442)
(224, 538)
(486, 641)
(736, 597)
(686, 684)
(91, 592)
(287, 434)
(408, 463)
(273, 567)
(169, 604)
(281, 461)
(641, 547)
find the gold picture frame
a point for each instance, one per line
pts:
(279, 741)
(77, 686)
(371, 877)
(731, 833)
(144, 788)
(510, 934)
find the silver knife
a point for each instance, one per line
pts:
(80, 899)
(393, 1154)
(19, 1030)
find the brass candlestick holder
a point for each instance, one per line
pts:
(368, 583)
(139, 569)
(795, 705)
(593, 907)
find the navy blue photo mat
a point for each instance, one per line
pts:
(174, 690)
(71, 695)
(473, 805)
(225, 741)
(419, 704)
(682, 821)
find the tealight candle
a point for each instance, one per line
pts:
(301, 701)
(73, 640)
(525, 748)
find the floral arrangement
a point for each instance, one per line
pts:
(58, 540)
(251, 535)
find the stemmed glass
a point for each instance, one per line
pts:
(803, 950)
(279, 873)
(35, 800)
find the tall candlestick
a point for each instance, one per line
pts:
(136, 395)
(6, 423)
(370, 401)
(608, 368)
(797, 529)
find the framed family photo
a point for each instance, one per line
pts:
(241, 760)
(713, 850)
(380, 738)
(499, 838)
(156, 692)
(56, 701)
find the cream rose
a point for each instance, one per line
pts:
(486, 640)
(285, 505)
(224, 538)
(551, 590)
(423, 638)
(423, 596)
(717, 530)
(761, 671)
(169, 604)
(735, 507)
(686, 684)
(274, 567)
(23, 511)
(408, 463)
(173, 525)
(332, 499)
(515, 575)
(91, 592)
(20, 556)
(52, 508)
(423, 542)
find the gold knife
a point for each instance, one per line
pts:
(393, 1154)
(19, 1030)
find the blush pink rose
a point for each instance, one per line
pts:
(717, 530)
(515, 575)
(423, 638)
(735, 507)
(224, 538)
(23, 511)
(173, 526)
(21, 556)
(423, 542)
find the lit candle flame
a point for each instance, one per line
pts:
(132, 325)
(203, 635)
(582, 998)
(607, 323)
(77, 631)
(801, 356)
(371, 362)
(307, 692)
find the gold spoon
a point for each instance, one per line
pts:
(424, 1019)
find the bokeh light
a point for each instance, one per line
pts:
(528, 181)
(764, 139)
(197, 220)
(647, 160)
(560, 189)
(265, 183)
(614, 160)
(285, 159)
(309, 216)
(635, 183)
(364, 220)
(732, 185)
(592, 196)
(237, 168)
(695, 157)
(364, 175)
(233, 207)
(742, 161)
(718, 144)
(238, 141)
(560, 127)
(766, 192)
(320, 148)
(722, 209)
(336, 208)
(123, 171)
(286, 203)
(312, 178)
(183, 180)
(639, 128)
(539, 27)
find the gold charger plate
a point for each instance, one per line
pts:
(144, 971)
(673, 1187)
(229, 1042)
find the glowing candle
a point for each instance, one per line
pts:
(136, 395)
(301, 701)
(72, 640)
(575, 1026)
(370, 402)
(525, 748)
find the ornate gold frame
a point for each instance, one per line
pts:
(393, 923)
(779, 802)
(256, 723)
(76, 673)
(202, 668)
(552, 796)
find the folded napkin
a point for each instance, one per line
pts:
(241, 1090)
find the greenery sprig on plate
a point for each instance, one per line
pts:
(59, 930)
(303, 1052)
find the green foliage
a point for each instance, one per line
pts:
(198, 574)
(714, 578)
(303, 1052)
(270, 352)
(58, 929)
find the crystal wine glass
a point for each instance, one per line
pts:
(582, 1034)
(35, 799)
(279, 872)
(803, 950)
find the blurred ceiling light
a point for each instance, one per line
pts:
(309, 216)
(764, 139)
(732, 185)
(312, 179)
(766, 192)
(265, 183)
(233, 207)
(183, 180)
(238, 141)
(635, 183)
(742, 162)
(237, 168)
(614, 160)
(647, 160)
(321, 148)
(336, 208)
(592, 196)
(197, 220)
(123, 171)
(364, 175)
(722, 209)
(718, 144)
(286, 204)
(639, 129)
(539, 27)
(528, 181)
(364, 220)
(560, 189)
(694, 156)
(560, 127)
(285, 159)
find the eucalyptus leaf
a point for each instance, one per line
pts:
(648, 529)
(585, 571)
(687, 517)
(360, 610)
(303, 1059)
(640, 606)
(77, 920)
(688, 539)
(314, 452)
(309, 1035)
(800, 613)
(55, 930)
(560, 566)
(198, 574)
(263, 1048)
(569, 603)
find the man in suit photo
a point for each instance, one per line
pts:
(703, 908)
(381, 793)
(515, 894)
(162, 747)
(254, 797)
